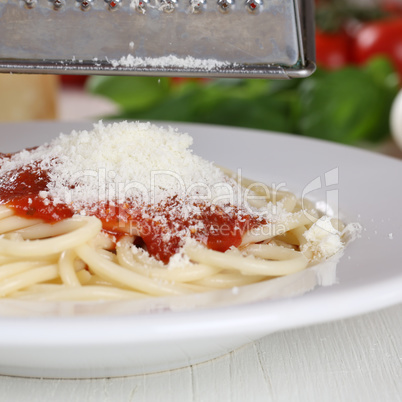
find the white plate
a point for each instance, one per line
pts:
(123, 338)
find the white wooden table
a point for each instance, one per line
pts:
(358, 359)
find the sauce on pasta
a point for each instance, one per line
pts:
(158, 225)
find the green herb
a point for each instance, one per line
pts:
(348, 105)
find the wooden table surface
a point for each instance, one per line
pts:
(357, 359)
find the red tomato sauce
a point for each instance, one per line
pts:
(160, 226)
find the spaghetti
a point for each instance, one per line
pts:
(68, 233)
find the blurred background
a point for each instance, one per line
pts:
(351, 99)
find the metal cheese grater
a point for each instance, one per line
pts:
(198, 38)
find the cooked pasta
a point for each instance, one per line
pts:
(61, 240)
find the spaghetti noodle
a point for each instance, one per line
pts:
(67, 235)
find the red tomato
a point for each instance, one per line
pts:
(392, 6)
(74, 80)
(383, 37)
(333, 50)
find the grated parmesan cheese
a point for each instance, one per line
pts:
(123, 161)
(168, 61)
(323, 239)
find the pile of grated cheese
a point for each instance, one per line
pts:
(323, 239)
(122, 161)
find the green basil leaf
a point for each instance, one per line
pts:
(347, 105)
